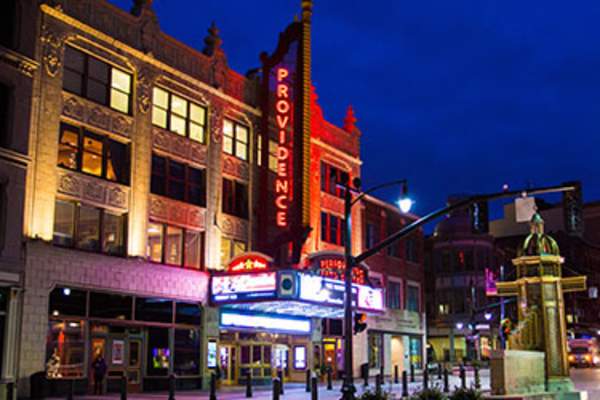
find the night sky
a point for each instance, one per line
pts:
(457, 96)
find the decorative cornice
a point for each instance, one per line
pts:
(233, 227)
(53, 43)
(179, 146)
(163, 209)
(337, 152)
(23, 64)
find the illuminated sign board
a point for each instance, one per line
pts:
(243, 286)
(331, 292)
(283, 121)
(272, 323)
(332, 266)
(250, 262)
(490, 283)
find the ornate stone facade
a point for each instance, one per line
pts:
(234, 227)
(176, 212)
(92, 190)
(96, 115)
(179, 146)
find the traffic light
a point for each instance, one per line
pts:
(360, 322)
(573, 209)
(505, 328)
(479, 217)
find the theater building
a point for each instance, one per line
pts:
(180, 217)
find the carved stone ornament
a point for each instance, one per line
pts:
(92, 190)
(52, 45)
(144, 91)
(332, 203)
(82, 110)
(235, 167)
(167, 210)
(216, 124)
(179, 146)
(234, 227)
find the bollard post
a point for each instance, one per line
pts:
(314, 389)
(307, 380)
(404, 384)
(124, 387)
(476, 377)
(276, 389)
(446, 384)
(463, 376)
(10, 391)
(329, 379)
(172, 385)
(280, 376)
(213, 387)
(378, 379)
(366, 377)
(70, 390)
(425, 378)
(412, 372)
(440, 371)
(396, 374)
(248, 384)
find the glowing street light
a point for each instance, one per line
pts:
(405, 203)
(460, 325)
(487, 316)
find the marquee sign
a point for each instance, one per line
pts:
(332, 266)
(225, 288)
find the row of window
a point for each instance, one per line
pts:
(175, 246)
(178, 181)
(331, 177)
(410, 246)
(394, 296)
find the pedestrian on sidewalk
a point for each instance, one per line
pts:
(99, 367)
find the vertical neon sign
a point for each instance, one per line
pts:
(282, 116)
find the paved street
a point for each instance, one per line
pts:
(585, 379)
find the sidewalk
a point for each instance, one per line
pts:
(294, 391)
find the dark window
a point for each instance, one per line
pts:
(178, 115)
(332, 229)
(67, 301)
(331, 177)
(81, 226)
(5, 104)
(159, 353)
(111, 306)
(394, 293)
(187, 352)
(235, 139)
(235, 198)
(153, 310)
(413, 298)
(8, 23)
(96, 80)
(93, 154)
(188, 313)
(411, 250)
(178, 181)
(372, 235)
(175, 246)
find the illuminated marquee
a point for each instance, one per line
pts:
(227, 288)
(283, 184)
(332, 266)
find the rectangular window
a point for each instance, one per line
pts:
(331, 177)
(178, 115)
(66, 344)
(235, 139)
(175, 246)
(273, 148)
(188, 313)
(235, 198)
(187, 352)
(8, 23)
(178, 181)
(97, 155)
(411, 250)
(153, 310)
(231, 248)
(372, 235)
(413, 298)
(375, 349)
(394, 295)
(96, 80)
(159, 353)
(111, 306)
(333, 229)
(80, 225)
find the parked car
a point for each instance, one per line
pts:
(584, 353)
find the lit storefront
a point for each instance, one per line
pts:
(271, 319)
(144, 339)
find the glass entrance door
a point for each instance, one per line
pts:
(281, 359)
(227, 364)
(134, 366)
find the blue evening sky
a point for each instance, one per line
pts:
(457, 96)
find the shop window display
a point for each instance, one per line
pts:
(159, 354)
(375, 347)
(65, 349)
(187, 352)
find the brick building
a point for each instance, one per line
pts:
(147, 171)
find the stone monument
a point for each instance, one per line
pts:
(539, 288)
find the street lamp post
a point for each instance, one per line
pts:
(348, 388)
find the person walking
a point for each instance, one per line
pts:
(99, 366)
